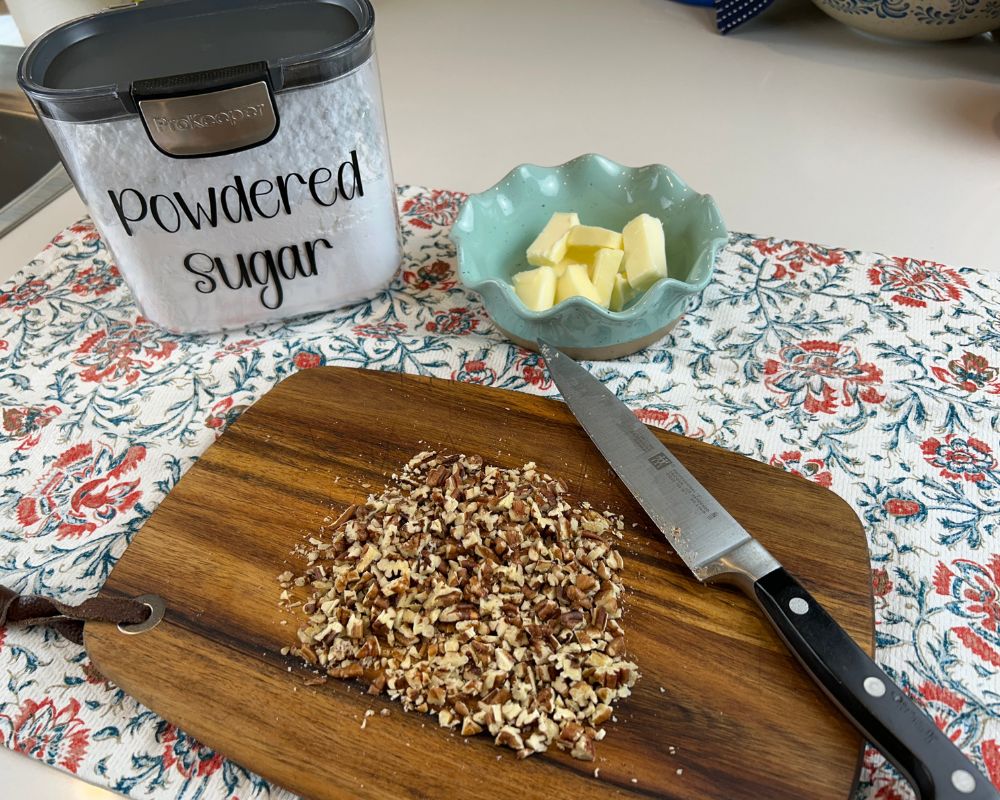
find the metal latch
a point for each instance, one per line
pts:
(208, 113)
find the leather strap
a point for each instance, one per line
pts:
(68, 620)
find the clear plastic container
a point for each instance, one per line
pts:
(235, 159)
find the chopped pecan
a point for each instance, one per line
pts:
(477, 593)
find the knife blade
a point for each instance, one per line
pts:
(667, 492)
(716, 548)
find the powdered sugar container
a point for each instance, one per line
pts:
(233, 154)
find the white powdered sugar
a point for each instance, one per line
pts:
(305, 222)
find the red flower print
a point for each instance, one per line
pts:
(881, 583)
(457, 322)
(438, 274)
(26, 423)
(813, 469)
(990, 750)
(532, 367)
(975, 587)
(767, 247)
(913, 283)
(96, 280)
(56, 736)
(224, 413)
(943, 705)
(121, 351)
(959, 458)
(84, 489)
(974, 592)
(24, 295)
(433, 208)
(792, 257)
(86, 231)
(379, 330)
(186, 754)
(978, 645)
(971, 373)
(669, 421)
(903, 507)
(238, 348)
(307, 359)
(475, 372)
(537, 376)
(878, 777)
(809, 374)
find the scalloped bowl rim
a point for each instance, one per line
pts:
(650, 296)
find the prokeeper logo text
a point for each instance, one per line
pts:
(190, 122)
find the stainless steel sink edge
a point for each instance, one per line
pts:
(53, 179)
(34, 199)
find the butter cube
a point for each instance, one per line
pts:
(645, 252)
(621, 293)
(560, 268)
(591, 238)
(549, 247)
(580, 255)
(603, 272)
(573, 282)
(536, 288)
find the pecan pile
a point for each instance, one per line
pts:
(478, 594)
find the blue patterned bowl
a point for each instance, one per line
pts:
(495, 227)
(921, 20)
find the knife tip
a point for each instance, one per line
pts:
(545, 348)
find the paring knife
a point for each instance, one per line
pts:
(716, 548)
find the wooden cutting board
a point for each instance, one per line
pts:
(721, 709)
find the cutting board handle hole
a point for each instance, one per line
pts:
(156, 608)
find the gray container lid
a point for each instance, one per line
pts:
(84, 70)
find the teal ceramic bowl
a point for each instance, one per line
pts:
(495, 227)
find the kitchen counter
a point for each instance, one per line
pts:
(798, 126)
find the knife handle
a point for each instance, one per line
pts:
(869, 698)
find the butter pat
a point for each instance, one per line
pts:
(645, 259)
(574, 282)
(536, 288)
(591, 238)
(560, 268)
(621, 293)
(603, 272)
(580, 255)
(549, 247)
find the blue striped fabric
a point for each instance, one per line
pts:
(730, 14)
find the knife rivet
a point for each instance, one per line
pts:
(874, 686)
(798, 605)
(963, 781)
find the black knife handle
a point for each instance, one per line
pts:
(869, 698)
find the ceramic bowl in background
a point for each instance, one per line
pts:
(495, 227)
(917, 20)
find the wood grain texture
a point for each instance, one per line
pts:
(716, 682)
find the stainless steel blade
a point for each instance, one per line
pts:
(694, 522)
